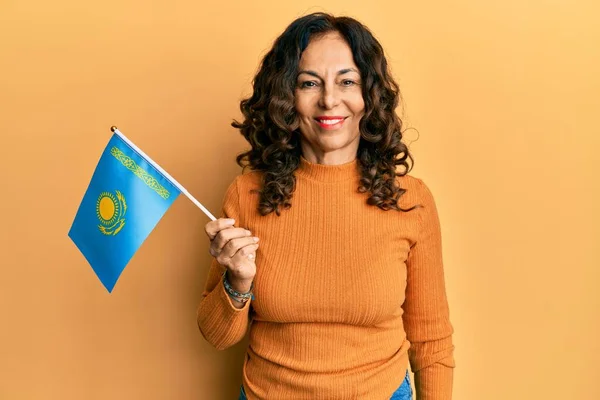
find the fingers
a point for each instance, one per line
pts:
(232, 247)
(214, 227)
(223, 237)
(239, 261)
(248, 252)
(235, 245)
(236, 251)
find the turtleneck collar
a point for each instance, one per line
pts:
(328, 173)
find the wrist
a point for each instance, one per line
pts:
(239, 285)
(240, 291)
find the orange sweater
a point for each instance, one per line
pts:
(345, 293)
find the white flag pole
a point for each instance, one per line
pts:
(165, 173)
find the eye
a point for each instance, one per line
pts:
(348, 82)
(308, 84)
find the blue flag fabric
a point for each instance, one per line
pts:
(124, 201)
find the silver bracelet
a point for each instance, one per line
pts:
(241, 297)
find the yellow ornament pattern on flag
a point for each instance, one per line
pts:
(111, 209)
(140, 173)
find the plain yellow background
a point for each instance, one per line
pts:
(500, 107)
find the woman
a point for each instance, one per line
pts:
(347, 286)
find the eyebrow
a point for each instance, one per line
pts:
(340, 72)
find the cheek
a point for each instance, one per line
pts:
(302, 105)
(357, 105)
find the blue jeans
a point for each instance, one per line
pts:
(404, 392)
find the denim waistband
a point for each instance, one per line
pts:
(404, 391)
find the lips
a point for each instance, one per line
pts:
(330, 122)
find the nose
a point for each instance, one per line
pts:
(330, 96)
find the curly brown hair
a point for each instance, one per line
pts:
(271, 125)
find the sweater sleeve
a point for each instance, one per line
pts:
(219, 321)
(426, 311)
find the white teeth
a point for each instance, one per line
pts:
(330, 121)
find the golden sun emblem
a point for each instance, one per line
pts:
(111, 209)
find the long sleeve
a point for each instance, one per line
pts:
(426, 312)
(219, 321)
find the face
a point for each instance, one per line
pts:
(328, 101)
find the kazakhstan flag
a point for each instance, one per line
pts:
(124, 201)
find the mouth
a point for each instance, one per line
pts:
(330, 123)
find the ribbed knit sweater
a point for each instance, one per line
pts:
(345, 293)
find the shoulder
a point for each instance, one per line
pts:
(249, 181)
(240, 197)
(244, 185)
(416, 191)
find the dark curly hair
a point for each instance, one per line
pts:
(271, 125)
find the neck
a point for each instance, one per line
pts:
(336, 157)
(329, 173)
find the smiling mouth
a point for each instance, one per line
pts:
(330, 123)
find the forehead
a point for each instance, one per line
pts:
(329, 51)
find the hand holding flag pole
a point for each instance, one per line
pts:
(127, 196)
